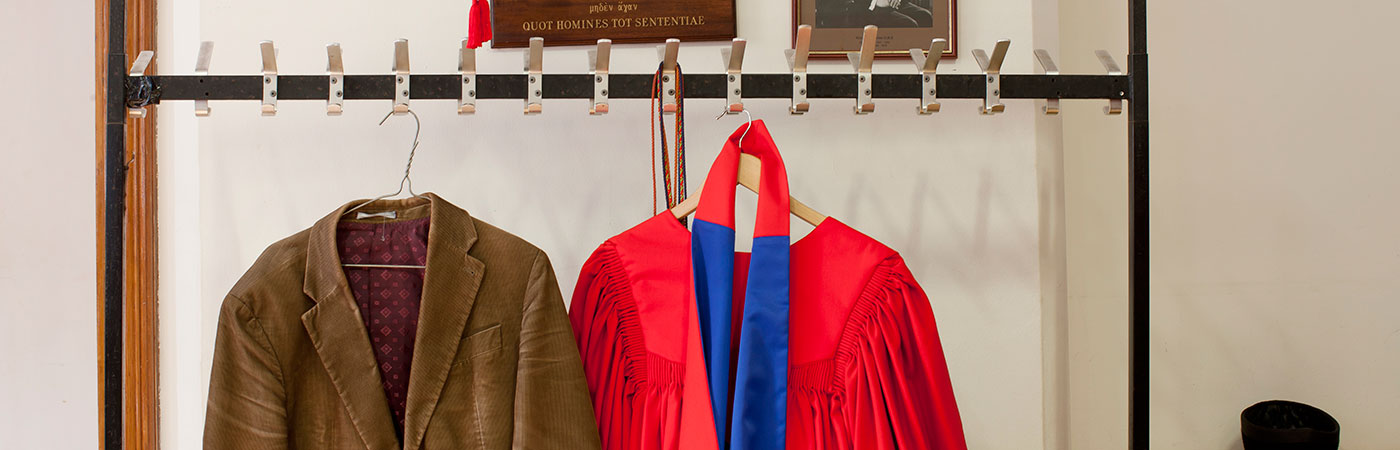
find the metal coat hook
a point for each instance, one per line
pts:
(1115, 106)
(864, 63)
(991, 68)
(667, 53)
(928, 67)
(734, 69)
(201, 68)
(797, 61)
(137, 110)
(466, 69)
(335, 86)
(1052, 105)
(269, 70)
(598, 60)
(402, 77)
(534, 75)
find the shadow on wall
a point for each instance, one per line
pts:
(970, 226)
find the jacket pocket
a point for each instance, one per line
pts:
(483, 342)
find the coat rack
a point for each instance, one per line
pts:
(129, 93)
(535, 85)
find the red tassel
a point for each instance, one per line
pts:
(479, 24)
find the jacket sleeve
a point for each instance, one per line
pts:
(247, 399)
(552, 407)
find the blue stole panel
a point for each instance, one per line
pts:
(712, 256)
(760, 389)
(758, 421)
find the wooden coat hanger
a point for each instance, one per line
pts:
(748, 177)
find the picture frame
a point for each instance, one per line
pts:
(904, 24)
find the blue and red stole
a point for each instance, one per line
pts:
(759, 414)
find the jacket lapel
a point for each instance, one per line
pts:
(338, 333)
(450, 286)
(337, 330)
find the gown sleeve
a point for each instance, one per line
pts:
(599, 338)
(636, 394)
(896, 381)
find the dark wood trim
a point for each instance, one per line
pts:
(140, 375)
(100, 106)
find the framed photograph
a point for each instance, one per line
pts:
(583, 22)
(904, 24)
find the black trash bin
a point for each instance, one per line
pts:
(1285, 425)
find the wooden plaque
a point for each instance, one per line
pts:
(583, 22)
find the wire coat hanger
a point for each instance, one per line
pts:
(405, 181)
(748, 177)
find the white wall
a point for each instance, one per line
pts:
(1052, 239)
(48, 338)
(1289, 288)
(957, 192)
(1095, 181)
(1274, 244)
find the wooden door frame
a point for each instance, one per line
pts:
(139, 404)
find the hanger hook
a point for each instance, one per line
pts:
(417, 128)
(749, 123)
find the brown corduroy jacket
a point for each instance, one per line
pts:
(494, 364)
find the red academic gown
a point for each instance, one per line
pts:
(865, 366)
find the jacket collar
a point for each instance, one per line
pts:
(337, 330)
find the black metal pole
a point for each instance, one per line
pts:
(114, 194)
(1139, 310)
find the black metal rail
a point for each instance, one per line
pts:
(121, 91)
(624, 86)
